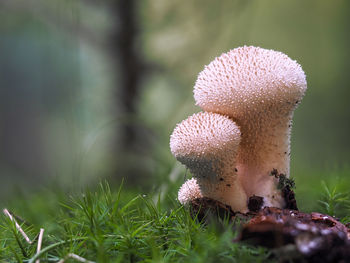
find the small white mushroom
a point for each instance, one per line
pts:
(189, 191)
(259, 89)
(207, 144)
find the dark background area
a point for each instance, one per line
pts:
(93, 89)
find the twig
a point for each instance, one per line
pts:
(40, 240)
(39, 252)
(7, 213)
(76, 257)
(52, 246)
(19, 219)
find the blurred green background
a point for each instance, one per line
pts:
(93, 89)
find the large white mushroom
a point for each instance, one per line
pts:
(259, 89)
(207, 144)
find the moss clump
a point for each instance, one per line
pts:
(283, 180)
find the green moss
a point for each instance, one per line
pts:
(114, 226)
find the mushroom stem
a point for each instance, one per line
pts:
(262, 151)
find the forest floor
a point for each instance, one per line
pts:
(104, 225)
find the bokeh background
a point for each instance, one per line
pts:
(92, 89)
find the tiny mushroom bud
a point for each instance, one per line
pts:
(207, 144)
(259, 89)
(189, 191)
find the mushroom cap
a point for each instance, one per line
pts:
(250, 79)
(189, 191)
(204, 136)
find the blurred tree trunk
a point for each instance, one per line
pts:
(128, 61)
(129, 67)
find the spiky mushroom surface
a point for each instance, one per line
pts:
(259, 89)
(207, 144)
(189, 191)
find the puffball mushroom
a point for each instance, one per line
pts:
(259, 89)
(207, 144)
(189, 191)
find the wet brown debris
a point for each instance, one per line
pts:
(307, 237)
(293, 236)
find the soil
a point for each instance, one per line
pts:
(293, 236)
(310, 237)
(255, 203)
(290, 234)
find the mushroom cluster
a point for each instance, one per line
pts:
(248, 97)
